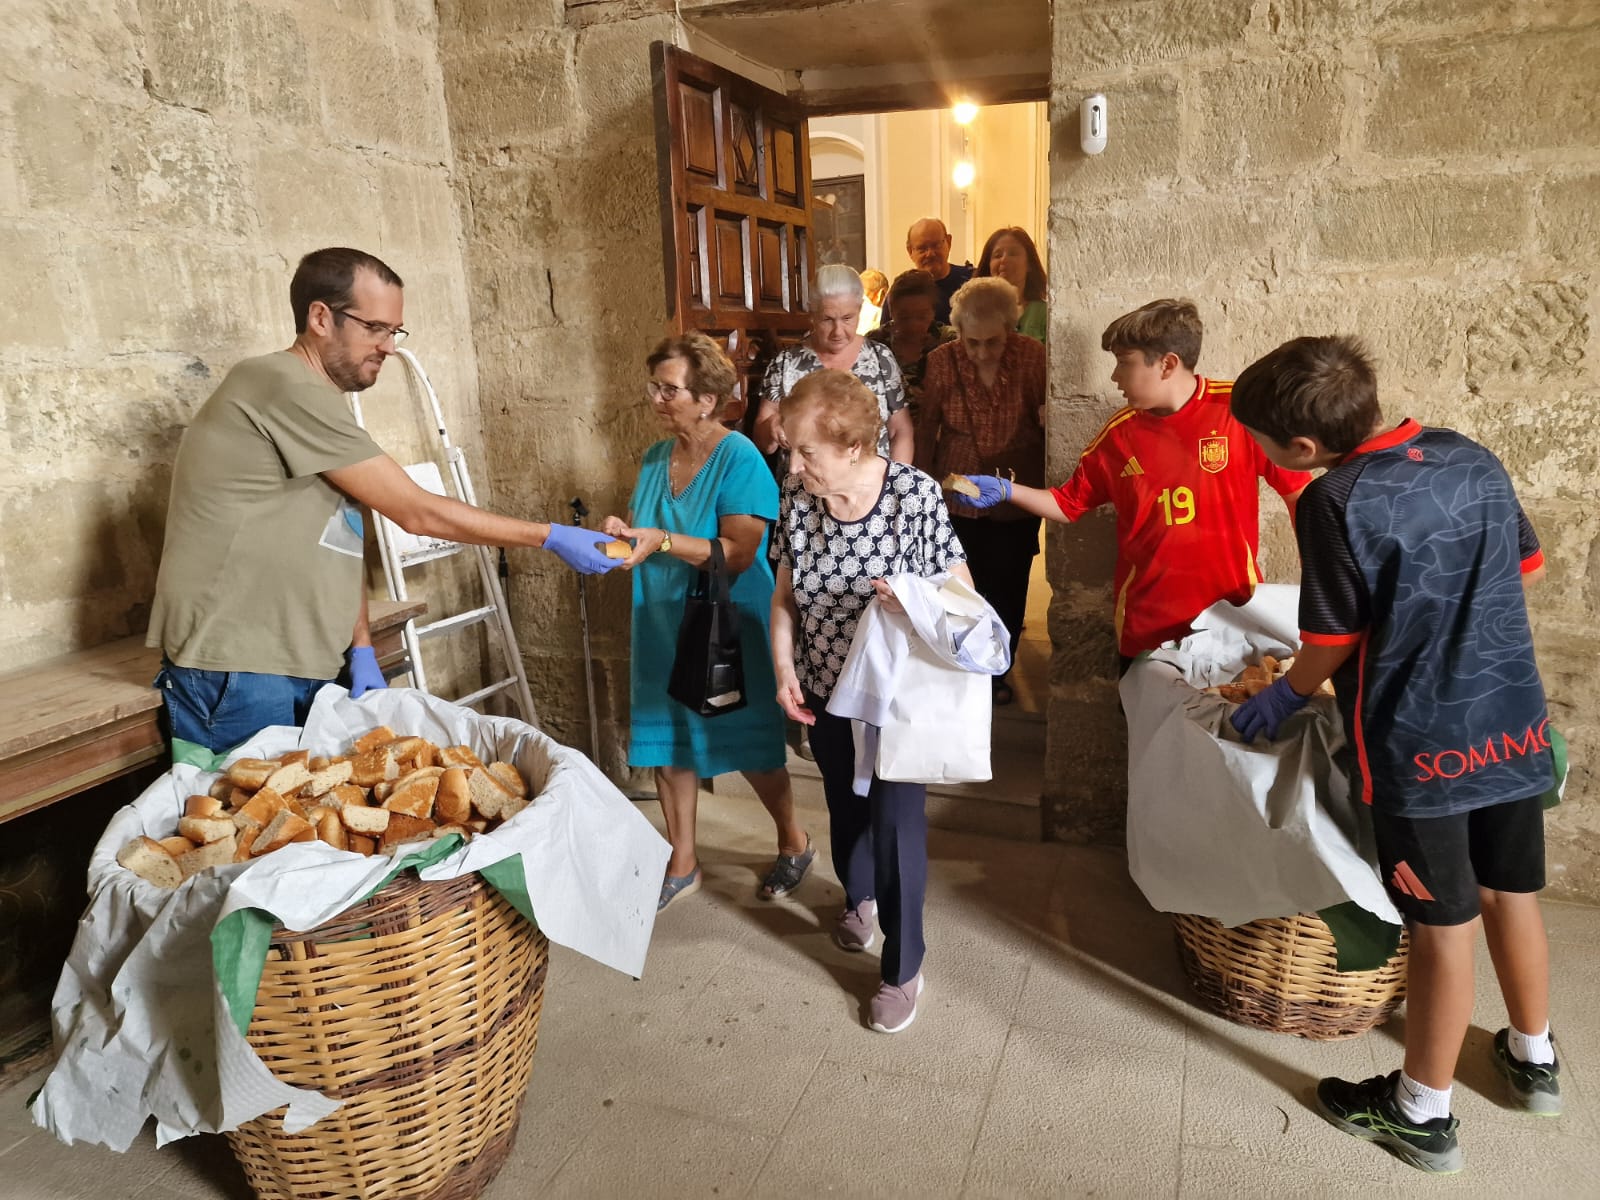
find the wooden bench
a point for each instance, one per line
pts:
(75, 721)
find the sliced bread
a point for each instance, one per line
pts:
(149, 860)
(452, 803)
(202, 831)
(250, 773)
(284, 828)
(212, 854)
(403, 828)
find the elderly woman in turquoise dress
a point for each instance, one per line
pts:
(703, 482)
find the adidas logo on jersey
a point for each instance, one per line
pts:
(1132, 467)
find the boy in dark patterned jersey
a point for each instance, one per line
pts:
(1414, 557)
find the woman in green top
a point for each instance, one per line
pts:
(1011, 255)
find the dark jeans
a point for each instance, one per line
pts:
(1000, 557)
(221, 709)
(880, 843)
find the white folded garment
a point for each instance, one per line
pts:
(914, 683)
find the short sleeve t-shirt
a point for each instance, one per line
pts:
(875, 366)
(1413, 549)
(262, 566)
(948, 287)
(1188, 511)
(833, 562)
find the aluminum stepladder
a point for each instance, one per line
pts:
(401, 550)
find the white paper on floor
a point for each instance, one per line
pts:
(1233, 831)
(141, 1028)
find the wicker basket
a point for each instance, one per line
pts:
(1280, 974)
(419, 1008)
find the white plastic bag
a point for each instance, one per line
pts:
(922, 679)
(1233, 831)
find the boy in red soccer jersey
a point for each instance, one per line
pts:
(1414, 553)
(1181, 473)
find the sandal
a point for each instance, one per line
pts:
(675, 886)
(787, 872)
(1003, 694)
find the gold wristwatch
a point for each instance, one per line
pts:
(666, 543)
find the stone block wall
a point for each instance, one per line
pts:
(163, 165)
(552, 120)
(1423, 173)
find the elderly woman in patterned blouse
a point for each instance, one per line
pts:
(833, 343)
(847, 518)
(982, 413)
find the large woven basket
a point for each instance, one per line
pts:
(419, 1008)
(1281, 974)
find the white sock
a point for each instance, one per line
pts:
(1418, 1103)
(1531, 1047)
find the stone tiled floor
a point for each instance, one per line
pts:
(1057, 1054)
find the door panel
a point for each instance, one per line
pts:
(773, 275)
(699, 131)
(785, 166)
(735, 210)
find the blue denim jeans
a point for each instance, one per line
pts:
(221, 709)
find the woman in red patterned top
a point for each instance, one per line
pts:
(982, 413)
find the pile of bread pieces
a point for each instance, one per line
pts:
(388, 790)
(1258, 677)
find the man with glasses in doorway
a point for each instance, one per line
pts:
(261, 597)
(928, 243)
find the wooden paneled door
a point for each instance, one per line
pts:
(735, 162)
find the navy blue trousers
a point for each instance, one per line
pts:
(880, 843)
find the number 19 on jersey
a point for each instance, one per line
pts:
(1177, 505)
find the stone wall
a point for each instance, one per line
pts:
(1423, 173)
(163, 165)
(552, 120)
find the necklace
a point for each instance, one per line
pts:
(692, 461)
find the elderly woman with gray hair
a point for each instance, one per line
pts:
(834, 343)
(982, 413)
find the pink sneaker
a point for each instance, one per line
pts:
(854, 930)
(895, 1005)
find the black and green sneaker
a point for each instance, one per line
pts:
(1534, 1087)
(1367, 1110)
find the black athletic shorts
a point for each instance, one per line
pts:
(1434, 866)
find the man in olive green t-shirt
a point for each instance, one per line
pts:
(261, 596)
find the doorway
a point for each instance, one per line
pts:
(758, 191)
(978, 169)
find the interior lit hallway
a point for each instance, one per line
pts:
(1057, 1054)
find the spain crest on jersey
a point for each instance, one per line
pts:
(1213, 453)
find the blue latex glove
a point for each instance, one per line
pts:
(992, 490)
(575, 546)
(365, 674)
(1267, 710)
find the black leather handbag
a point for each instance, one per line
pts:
(708, 668)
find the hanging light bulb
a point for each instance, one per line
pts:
(963, 175)
(964, 112)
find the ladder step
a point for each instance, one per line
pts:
(432, 554)
(486, 692)
(460, 620)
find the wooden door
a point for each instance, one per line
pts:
(735, 161)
